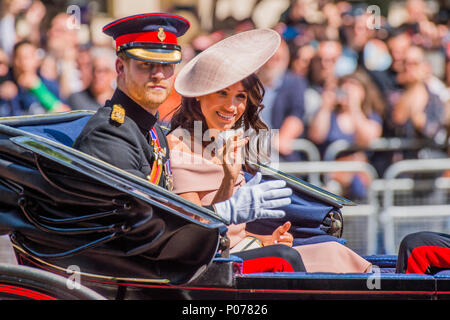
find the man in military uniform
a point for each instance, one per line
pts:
(124, 132)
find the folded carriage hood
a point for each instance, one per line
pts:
(67, 208)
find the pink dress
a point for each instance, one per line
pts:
(194, 173)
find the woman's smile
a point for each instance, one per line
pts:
(228, 117)
(223, 108)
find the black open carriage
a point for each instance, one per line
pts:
(129, 239)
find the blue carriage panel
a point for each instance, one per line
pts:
(65, 132)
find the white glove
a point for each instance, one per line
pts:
(255, 201)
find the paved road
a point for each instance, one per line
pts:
(6, 251)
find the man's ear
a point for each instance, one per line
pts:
(120, 67)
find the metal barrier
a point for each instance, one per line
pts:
(362, 240)
(312, 153)
(307, 147)
(384, 203)
(379, 145)
(433, 215)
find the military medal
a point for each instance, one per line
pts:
(168, 175)
(158, 169)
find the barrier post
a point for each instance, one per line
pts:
(392, 183)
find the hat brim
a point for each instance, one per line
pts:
(227, 62)
(154, 55)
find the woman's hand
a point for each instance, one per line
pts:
(230, 156)
(279, 236)
(282, 236)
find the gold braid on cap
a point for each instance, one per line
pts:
(140, 53)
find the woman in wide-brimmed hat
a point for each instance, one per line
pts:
(220, 94)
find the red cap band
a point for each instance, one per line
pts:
(151, 37)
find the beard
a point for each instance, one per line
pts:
(147, 97)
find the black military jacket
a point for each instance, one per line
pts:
(124, 144)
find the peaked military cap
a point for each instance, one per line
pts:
(149, 37)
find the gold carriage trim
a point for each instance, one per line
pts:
(93, 275)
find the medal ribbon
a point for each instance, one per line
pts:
(155, 174)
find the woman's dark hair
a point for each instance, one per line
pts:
(190, 111)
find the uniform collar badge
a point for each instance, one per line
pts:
(117, 114)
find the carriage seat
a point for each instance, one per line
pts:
(62, 132)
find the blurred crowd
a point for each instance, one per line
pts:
(46, 67)
(341, 73)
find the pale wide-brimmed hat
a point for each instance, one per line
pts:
(227, 62)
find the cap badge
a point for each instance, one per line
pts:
(161, 34)
(118, 114)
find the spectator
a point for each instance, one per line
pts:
(8, 90)
(296, 13)
(328, 39)
(447, 66)
(4, 65)
(360, 34)
(418, 113)
(391, 81)
(29, 25)
(9, 11)
(447, 84)
(334, 21)
(327, 56)
(102, 85)
(62, 46)
(35, 93)
(302, 59)
(321, 76)
(283, 101)
(349, 113)
(301, 65)
(424, 32)
(84, 65)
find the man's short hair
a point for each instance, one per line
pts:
(122, 55)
